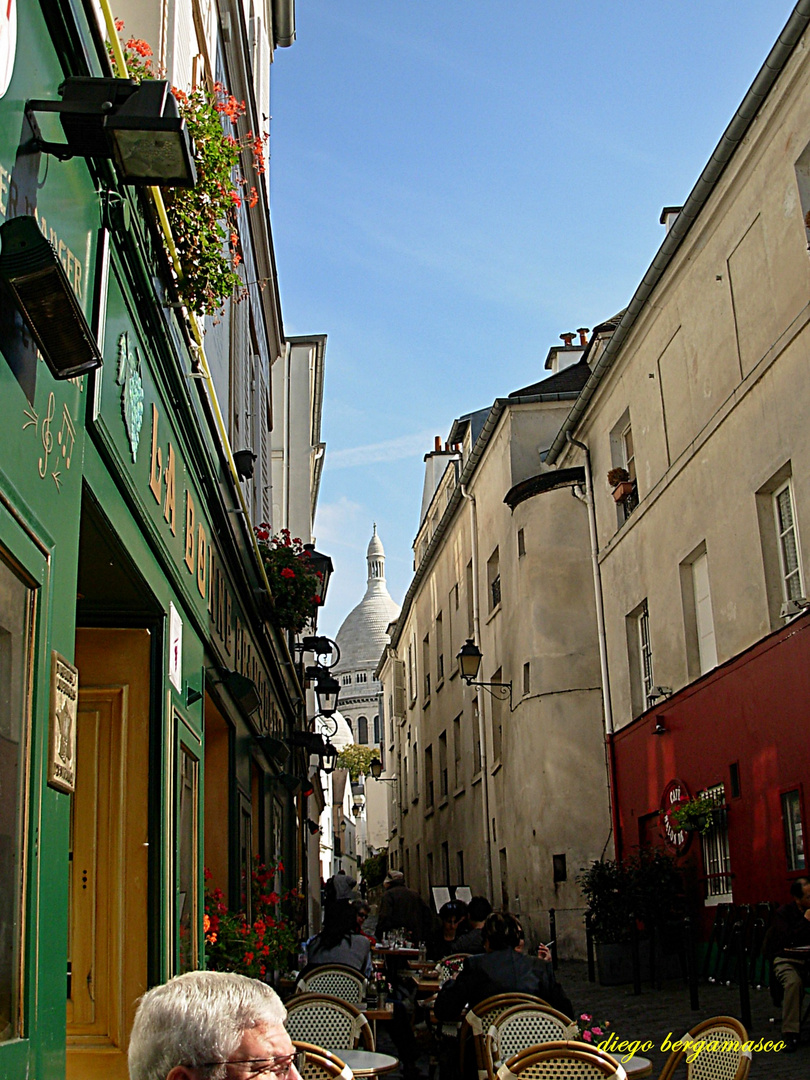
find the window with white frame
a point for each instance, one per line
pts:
(789, 560)
(645, 653)
(716, 856)
(704, 620)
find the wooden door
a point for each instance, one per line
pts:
(109, 851)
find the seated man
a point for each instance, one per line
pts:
(501, 969)
(196, 1025)
(472, 941)
(790, 927)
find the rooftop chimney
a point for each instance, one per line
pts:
(669, 215)
(583, 332)
(437, 443)
(568, 339)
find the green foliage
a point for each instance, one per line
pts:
(356, 759)
(374, 869)
(203, 219)
(692, 815)
(250, 948)
(645, 888)
(293, 582)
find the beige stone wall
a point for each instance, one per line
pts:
(714, 379)
(546, 780)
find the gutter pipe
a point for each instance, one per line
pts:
(284, 22)
(731, 139)
(610, 763)
(479, 691)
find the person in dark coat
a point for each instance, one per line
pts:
(472, 940)
(790, 928)
(501, 970)
(403, 908)
(443, 941)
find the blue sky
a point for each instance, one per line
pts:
(455, 183)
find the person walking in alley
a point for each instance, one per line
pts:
(197, 1024)
(403, 908)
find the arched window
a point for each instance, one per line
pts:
(362, 730)
(346, 680)
(377, 735)
(361, 677)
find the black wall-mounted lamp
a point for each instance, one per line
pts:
(275, 750)
(327, 691)
(243, 689)
(376, 770)
(469, 662)
(139, 126)
(313, 827)
(329, 757)
(30, 268)
(322, 565)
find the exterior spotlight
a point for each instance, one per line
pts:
(31, 269)
(244, 690)
(313, 827)
(137, 125)
(327, 691)
(289, 782)
(307, 788)
(243, 460)
(275, 750)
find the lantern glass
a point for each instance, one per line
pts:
(469, 659)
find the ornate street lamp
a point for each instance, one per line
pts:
(469, 662)
(376, 770)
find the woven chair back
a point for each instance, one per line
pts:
(337, 980)
(520, 1027)
(478, 1020)
(321, 1064)
(328, 1021)
(721, 1058)
(567, 1060)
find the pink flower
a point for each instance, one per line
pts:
(586, 1035)
(586, 1017)
(598, 1031)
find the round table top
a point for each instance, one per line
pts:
(367, 1062)
(637, 1066)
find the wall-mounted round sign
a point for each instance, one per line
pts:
(674, 793)
(8, 42)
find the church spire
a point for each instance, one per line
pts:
(375, 556)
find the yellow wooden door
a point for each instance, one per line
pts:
(109, 851)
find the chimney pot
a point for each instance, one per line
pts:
(568, 339)
(583, 332)
(437, 443)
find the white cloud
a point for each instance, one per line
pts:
(418, 443)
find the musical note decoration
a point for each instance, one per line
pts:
(129, 378)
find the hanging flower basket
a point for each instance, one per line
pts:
(693, 815)
(293, 582)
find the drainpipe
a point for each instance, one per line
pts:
(588, 499)
(285, 489)
(479, 693)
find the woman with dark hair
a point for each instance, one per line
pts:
(339, 942)
(501, 969)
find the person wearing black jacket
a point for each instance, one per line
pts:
(791, 928)
(501, 969)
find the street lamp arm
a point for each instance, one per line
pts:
(500, 690)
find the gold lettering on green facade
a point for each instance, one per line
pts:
(169, 505)
(190, 520)
(155, 482)
(228, 628)
(202, 562)
(220, 613)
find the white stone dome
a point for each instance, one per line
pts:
(343, 736)
(363, 633)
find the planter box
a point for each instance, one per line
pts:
(614, 963)
(622, 490)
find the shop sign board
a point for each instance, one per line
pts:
(64, 706)
(142, 436)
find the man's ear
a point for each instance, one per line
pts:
(180, 1072)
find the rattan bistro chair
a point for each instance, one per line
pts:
(478, 1020)
(449, 966)
(328, 1021)
(561, 1061)
(337, 980)
(321, 1064)
(520, 1027)
(724, 1063)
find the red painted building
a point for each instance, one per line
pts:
(742, 733)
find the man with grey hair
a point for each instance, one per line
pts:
(211, 1025)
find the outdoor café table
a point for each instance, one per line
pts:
(396, 950)
(426, 986)
(367, 1062)
(636, 1067)
(378, 1012)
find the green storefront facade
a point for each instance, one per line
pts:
(130, 621)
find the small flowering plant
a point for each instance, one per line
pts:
(293, 582)
(586, 1028)
(204, 219)
(254, 946)
(692, 815)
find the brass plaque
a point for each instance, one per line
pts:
(64, 704)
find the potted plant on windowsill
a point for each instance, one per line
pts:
(619, 480)
(693, 815)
